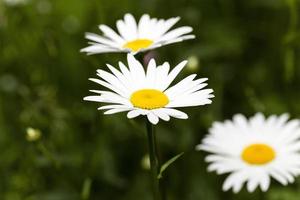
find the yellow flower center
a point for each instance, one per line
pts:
(258, 154)
(149, 99)
(138, 44)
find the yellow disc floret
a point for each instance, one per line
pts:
(149, 99)
(138, 44)
(258, 154)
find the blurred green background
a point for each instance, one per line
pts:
(249, 50)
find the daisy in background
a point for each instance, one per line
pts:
(133, 37)
(254, 150)
(148, 92)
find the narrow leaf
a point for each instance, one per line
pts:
(167, 164)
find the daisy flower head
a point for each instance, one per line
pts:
(148, 92)
(254, 150)
(134, 37)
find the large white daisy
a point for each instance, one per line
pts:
(254, 150)
(147, 92)
(148, 33)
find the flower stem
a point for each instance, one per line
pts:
(154, 163)
(289, 40)
(262, 195)
(48, 154)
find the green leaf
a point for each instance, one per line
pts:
(167, 164)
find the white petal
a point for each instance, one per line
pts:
(93, 98)
(252, 183)
(161, 114)
(161, 76)
(176, 40)
(168, 24)
(191, 100)
(258, 120)
(136, 69)
(125, 71)
(265, 183)
(124, 79)
(133, 113)
(94, 49)
(101, 40)
(116, 110)
(236, 180)
(180, 87)
(175, 113)
(109, 98)
(111, 34)
(123, 30)
(112, 107)
(131, 26)
(152, 118)
(143, 26)
(281, 179)
(109, 86)
(151, 73)
(241, 121)
(174, 73)
(114, 81)
(176, 33)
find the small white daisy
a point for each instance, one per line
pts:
(254, 150)
(147, 92)
(148, 33)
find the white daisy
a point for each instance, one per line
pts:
(254, 150)
(148, 33)
(147, 92)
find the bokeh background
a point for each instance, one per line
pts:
(249, 50)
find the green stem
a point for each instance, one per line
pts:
(262, 195)
(48, 154)
(86, 189)
(289, 57)
(292, 4)
(154, 163)
(289, 62)
(2, 124)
